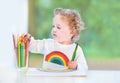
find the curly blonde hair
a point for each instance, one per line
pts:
(74, 20)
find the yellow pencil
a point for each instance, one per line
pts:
(18, 48)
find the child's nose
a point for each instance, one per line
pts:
(54, 29)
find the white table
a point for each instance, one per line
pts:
(94, 76)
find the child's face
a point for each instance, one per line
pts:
(61, 30)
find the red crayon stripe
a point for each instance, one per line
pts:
(57, 53)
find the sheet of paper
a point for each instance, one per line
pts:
(39, 72)
(54, 66)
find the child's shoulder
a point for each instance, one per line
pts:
(49, 40)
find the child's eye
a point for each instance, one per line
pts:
(58, 27)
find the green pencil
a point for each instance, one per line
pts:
(74, 54)
(22, 54)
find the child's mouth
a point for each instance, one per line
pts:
(54, 35)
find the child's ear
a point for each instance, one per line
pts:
(72, 31)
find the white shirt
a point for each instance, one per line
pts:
(46, 46)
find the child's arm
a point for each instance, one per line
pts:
(79, 62)
(73, 64)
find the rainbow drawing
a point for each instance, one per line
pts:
(58, 58)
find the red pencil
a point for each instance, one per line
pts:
(26, 52)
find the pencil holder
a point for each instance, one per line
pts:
(21, 51)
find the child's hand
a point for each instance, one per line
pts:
(72, 65)
(25, 37)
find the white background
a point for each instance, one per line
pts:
(13, 19)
